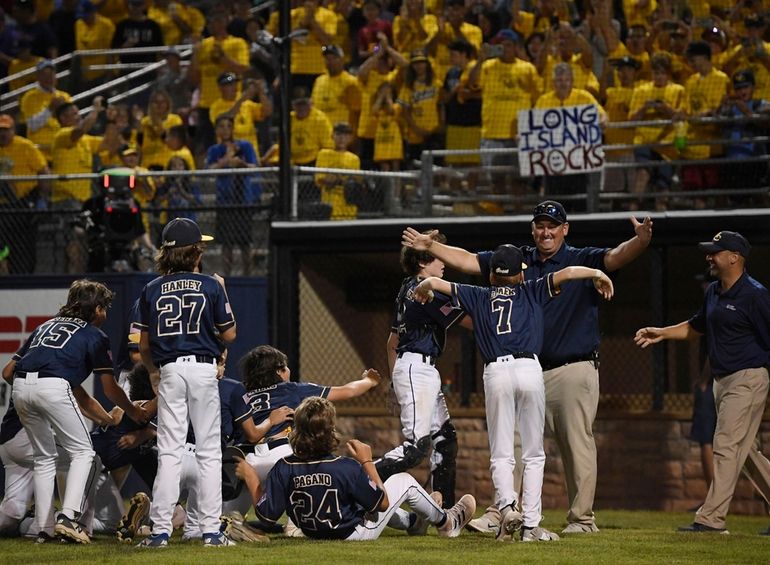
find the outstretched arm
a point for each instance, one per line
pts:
(369, 379)
(601, 281)
(424, 291)
(455, 257)
(680, 331)
(629, 250)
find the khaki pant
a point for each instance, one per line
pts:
(571, 401)
(740, 401)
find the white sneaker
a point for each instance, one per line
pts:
(511, 523)
(577, 528)
(489, 523)
(538, 534)
(458, 517)
(290, 530)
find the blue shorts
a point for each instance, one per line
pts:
(704, 415)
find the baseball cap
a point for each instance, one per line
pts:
(339, 127)
(128, 150)
(417, 56)
(743, 78)
(715, 33)
(45, 64)
(332, 50)
(626, 61)
(6, 121)
(227, 78)
(181, 232)
(507, 260)
(551, 210)
(726, 241)
(299, 95)
(696, 48)
(506, 35)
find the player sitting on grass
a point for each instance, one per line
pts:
(329, 496)
(508, 326)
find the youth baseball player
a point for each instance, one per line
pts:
(508, 326)
(47, 373)
(328, 497)
(416, 340)
(185, 319)
(15, 452)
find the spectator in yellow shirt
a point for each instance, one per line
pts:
(388, 140)
(413, 29)
(154, 126)
(423, 113)
(38, 107)
(178, 22)
(92, 31)
(336, 92)
(617, 105)
(564, 45)
(310, 130)
(144, 188)
(23, 60)
(754, 54)
(453, 28)
(333, 186)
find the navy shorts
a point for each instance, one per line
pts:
(704, 415)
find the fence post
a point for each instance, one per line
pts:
(426, 182)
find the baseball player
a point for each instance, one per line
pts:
(185, 319)
(508, 326)
(47, 373)
(328, 497)
(416, 340)
(15, 452)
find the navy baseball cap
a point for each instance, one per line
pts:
(507, 260)
(506, 35)
(181, 232)
(743, 78)
(227, 78)
(726, 241)
(551, 210)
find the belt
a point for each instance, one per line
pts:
(512, 356)
(593, 356)
(427, 359)
(189, 359)
(272, 444)
(23, 375)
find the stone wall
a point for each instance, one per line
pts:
(643, 463)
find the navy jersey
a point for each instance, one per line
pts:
(183, 313)
(326, 499)
(421, 328)
(124, 356)
(506, 319)
(105, 440)
(69, 348)
(233, 410)
(11, 424)
(291, 394)
(571, 324)
(737, 326)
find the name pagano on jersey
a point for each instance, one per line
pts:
(181, 284)
(313, 480)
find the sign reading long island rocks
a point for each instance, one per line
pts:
(560, 141)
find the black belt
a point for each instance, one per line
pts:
(593, 356)
(516, 355)
(429, 359)
(272, 444)
(23, 375)
(198, 359)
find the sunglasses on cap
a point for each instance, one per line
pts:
(549, 210)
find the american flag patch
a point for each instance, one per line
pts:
(228, 309)
(446, 308)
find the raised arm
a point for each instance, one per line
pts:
(629, 250)
(681, 331)
(455, 257)
(362, 453)
(601, 281)
(424, 291)
(369, 379)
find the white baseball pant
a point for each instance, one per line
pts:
(515, 397)
(188, 387)
(16, 455)
(261, 460)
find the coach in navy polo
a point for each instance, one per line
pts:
(570, 342)
(735, 317)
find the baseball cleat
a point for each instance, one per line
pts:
(538, 534)
(138, 510)
(217, 540)
(70, 530)
(577, 528)
(511, 523)
(154, 541)
(489, 523)
(458, 517)
(290, 530)
(43, 537)
(698, 528)
(420, 525)
(237, 529)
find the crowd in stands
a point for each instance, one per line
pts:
(374, 83)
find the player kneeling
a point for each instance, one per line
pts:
(329, 497)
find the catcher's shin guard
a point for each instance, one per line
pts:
(413, 454)
(444, 462)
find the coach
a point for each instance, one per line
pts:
(570, 357)
(735, 316)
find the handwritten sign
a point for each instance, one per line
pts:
(560, 141)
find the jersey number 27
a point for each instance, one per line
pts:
(180, 314)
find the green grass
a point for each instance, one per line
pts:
(625, 537)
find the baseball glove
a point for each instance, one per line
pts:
(231, 484)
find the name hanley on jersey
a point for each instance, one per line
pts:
(181, 284)
(313, 480)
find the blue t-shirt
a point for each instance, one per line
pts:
(291, 394)
(506, 319)
(11, 424)
(183, 313)
(737, 326)
(421, 328)
(326, 499)
(69, 348)
(570, 324)
(235, 189)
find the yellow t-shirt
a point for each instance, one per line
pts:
(576, 97)
(617, 106)
(704, 94)
(582, 77)
(306, 56)
(21, 157)
(422, 100)
(152, 140)
(643, 74)
(338, 97)
(33, 102)
(243, 127)
(168, 153)
(441, 63)
(388, 141)
(234, 48)
(172, 35)
(366, 122)
(16, 66)
(97, 36)
(506, 88)
(636, 15)
(411, 40)
(335, 195)
(673, 95)
(71, 158)
(309, 136)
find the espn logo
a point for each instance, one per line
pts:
(14, 330)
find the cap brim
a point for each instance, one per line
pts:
(709, 247)
(523, 266)
(547, 217)
(207, 238)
